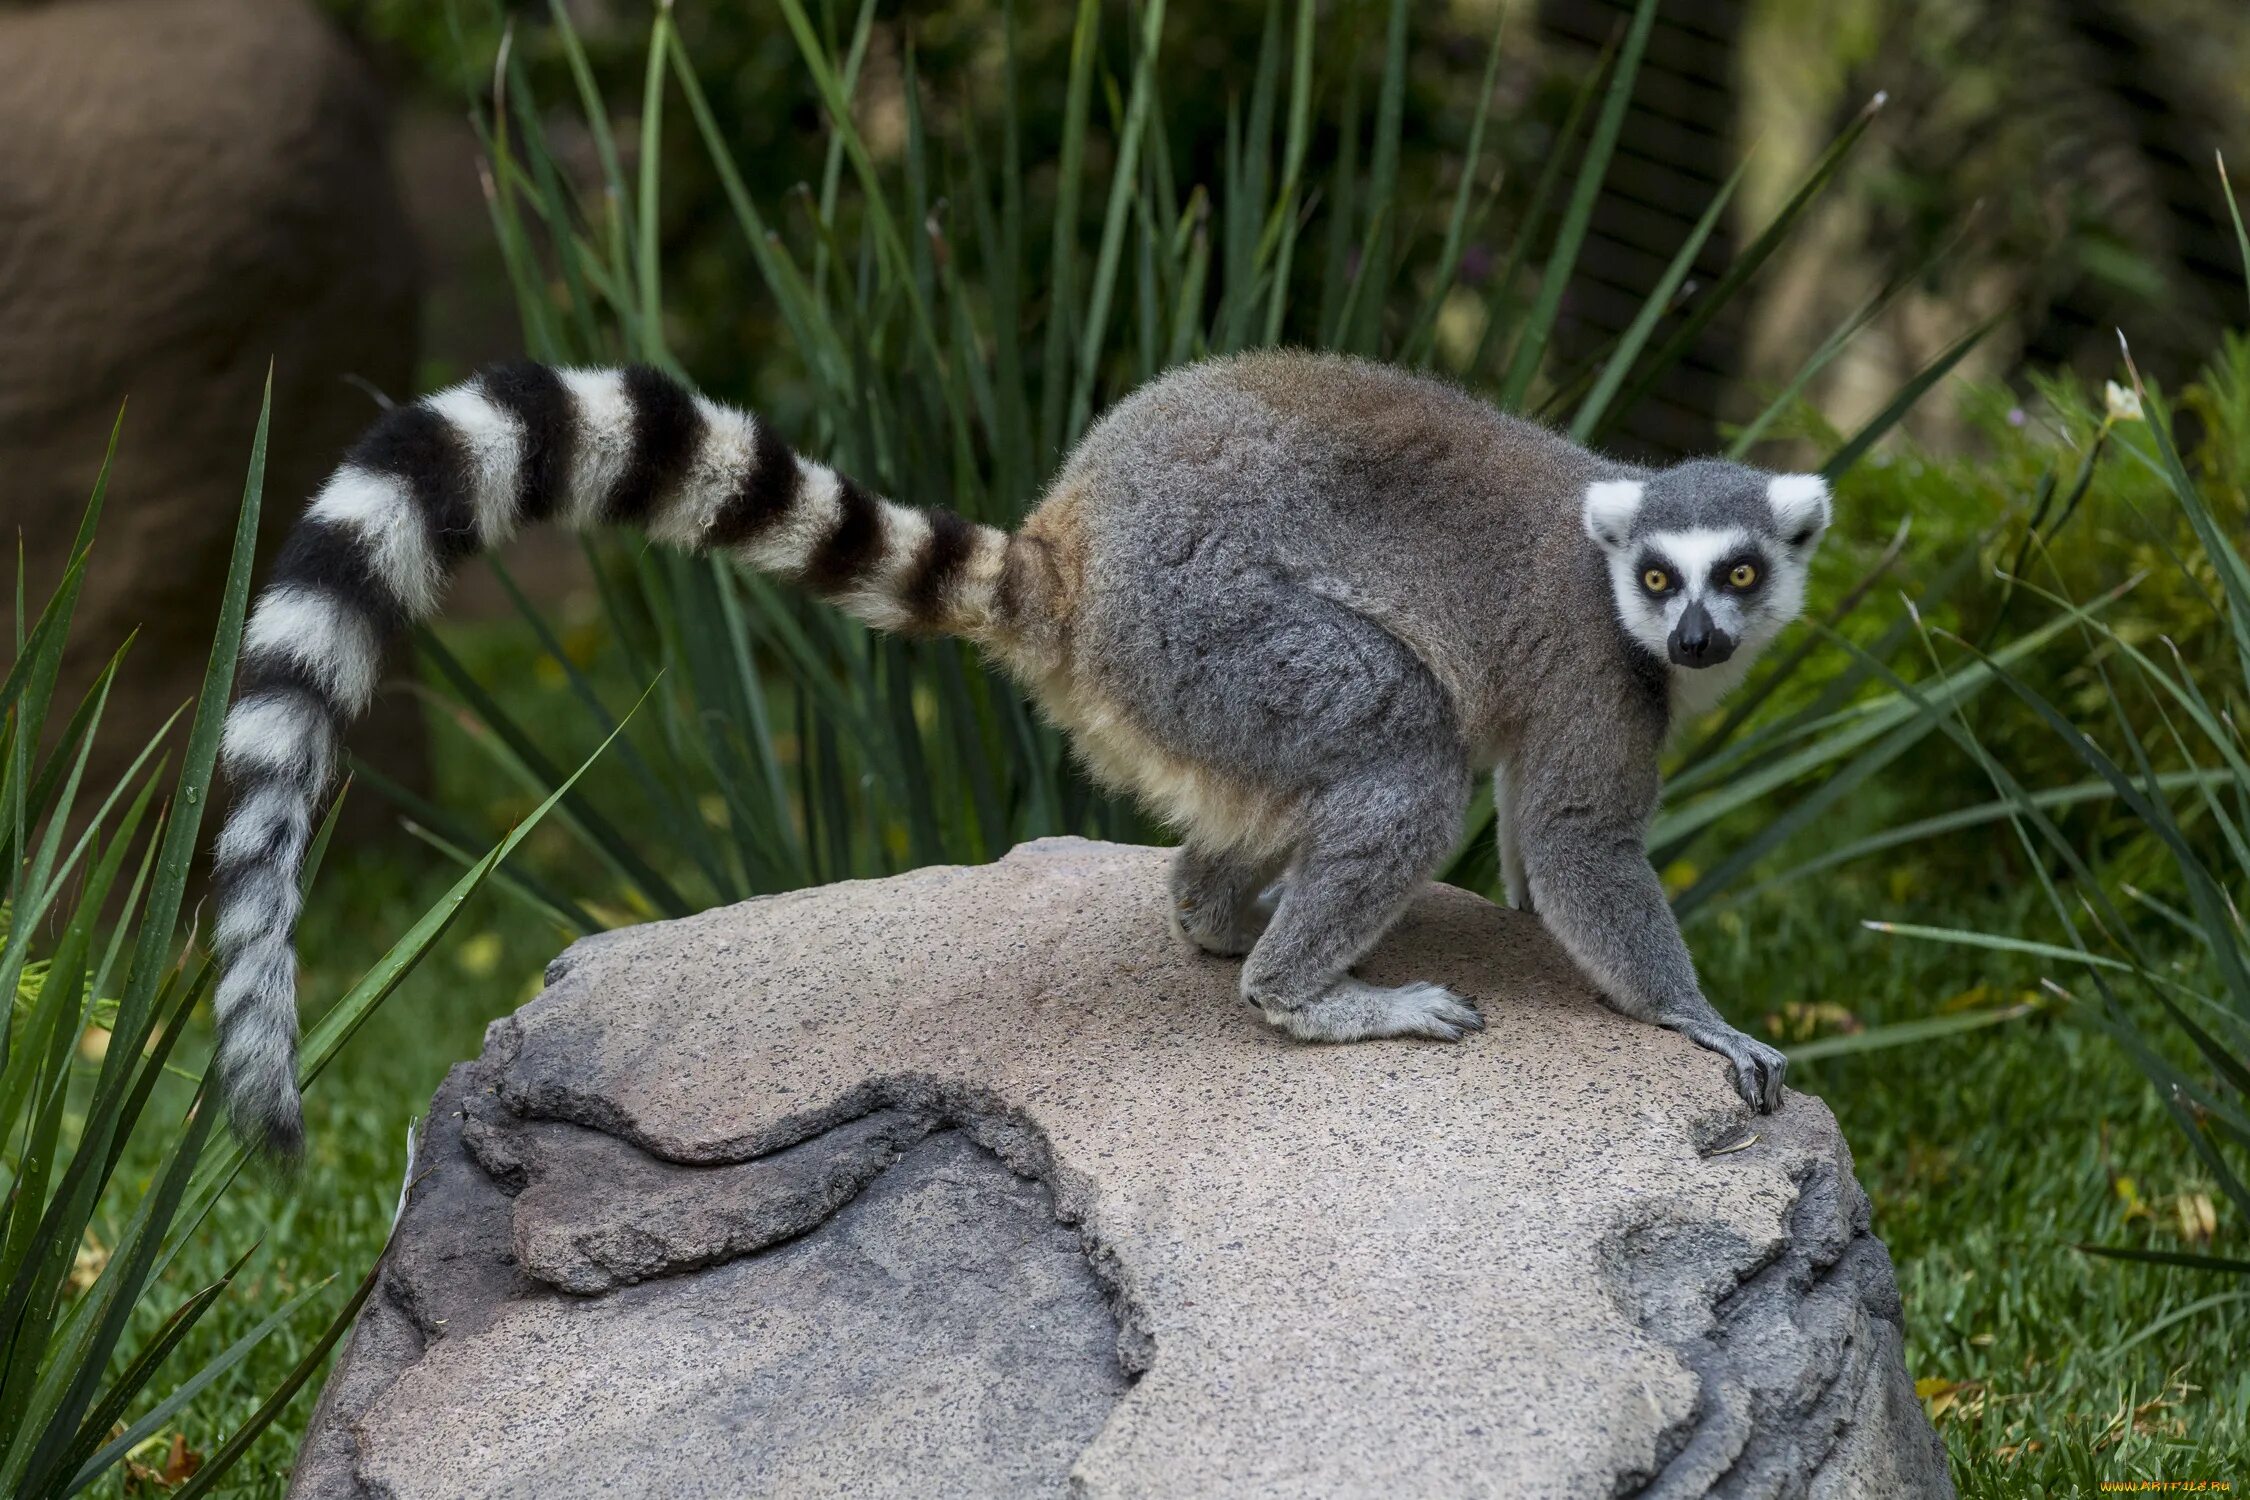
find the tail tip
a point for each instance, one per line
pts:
(275, 1139)
(270, 1122)
(279, 1139)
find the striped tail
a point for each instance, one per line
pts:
(453, 475)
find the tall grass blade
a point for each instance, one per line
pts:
(183, 828)
(1062, 261)
(230, 1452)
(1652, 311)
(2187, 1258)
(1096, 324)
(1285, 224)
(1897, 407)
(1905, 1033)
(2218, 548)
(1499, 309)
(520, 743)
(2234, 212)
(1378, 259)
(1746, 265)
(182, 1395)
(1531, 344)
(144, 1365)
(1422, 336)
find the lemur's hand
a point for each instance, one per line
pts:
(1756, 1068)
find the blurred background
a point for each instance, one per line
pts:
(203, 183)
(1974, 846)
(2046, 163)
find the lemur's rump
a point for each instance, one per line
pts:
(462, 471)
(1294, 603)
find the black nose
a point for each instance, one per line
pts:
(1696, 642)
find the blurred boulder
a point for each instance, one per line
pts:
(189, 191)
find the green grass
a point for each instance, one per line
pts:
(318, 1234)
(1988, 1157)
(332, 1223)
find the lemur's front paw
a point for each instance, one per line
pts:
(1224, 932)
(1756, 1068)
(1356, 1011)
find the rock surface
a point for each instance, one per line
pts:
(975, 1181)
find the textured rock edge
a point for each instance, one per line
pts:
(470, 1170)
(1712, 1298)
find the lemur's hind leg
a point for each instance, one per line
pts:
(1229, 662)
(1371, 840)
(1221, 902)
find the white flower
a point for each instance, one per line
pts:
(2124, 405)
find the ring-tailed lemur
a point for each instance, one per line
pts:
(1294, 602)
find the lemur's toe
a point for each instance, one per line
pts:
(1755, 1069)
(1434, 1011)
(1758, 1072)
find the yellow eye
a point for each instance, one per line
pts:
(1656, 580)
(1743, 576)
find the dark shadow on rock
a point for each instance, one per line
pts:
(1797, 1349)
(884, 1308)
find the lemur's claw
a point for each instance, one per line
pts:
(1756, 1069)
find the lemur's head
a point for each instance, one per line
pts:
(1707, 559)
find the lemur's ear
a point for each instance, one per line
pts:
(1611, 505)
(1800, 506)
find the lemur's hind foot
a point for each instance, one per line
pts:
(1356, 1011)
(1220, 904)
(1227, 931)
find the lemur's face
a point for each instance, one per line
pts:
(1707, 560)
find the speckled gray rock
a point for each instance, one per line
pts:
(723, 1212)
